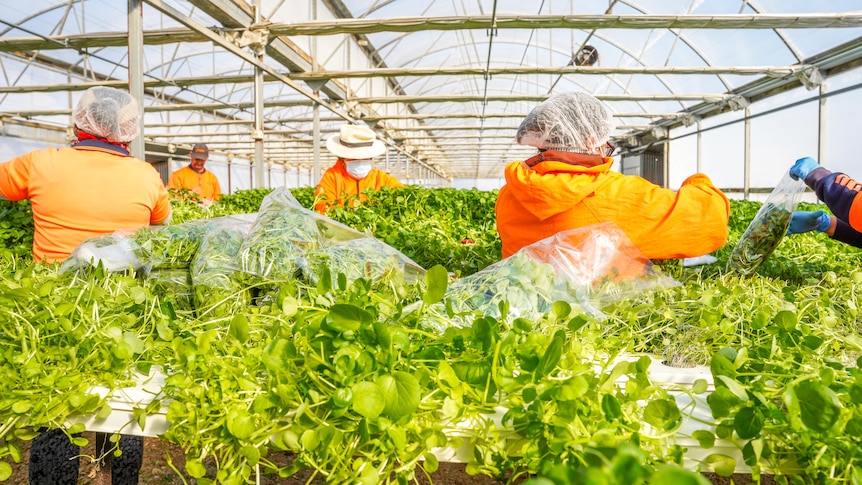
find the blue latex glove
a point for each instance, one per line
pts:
(802, 168)
(801, 221)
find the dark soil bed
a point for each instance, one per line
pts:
(156, 471)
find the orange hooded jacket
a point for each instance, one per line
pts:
(555, 191)
(336, 185)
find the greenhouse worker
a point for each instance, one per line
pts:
(353, 172)
(87, 190)
(841, 195)
(195, 178)
(569, 184)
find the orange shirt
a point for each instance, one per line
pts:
(83, 192)
(337, 185)
(204, 184)
(552, 196)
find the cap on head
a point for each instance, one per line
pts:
(108, 113)
(355, 142)
(574, 122)
(200, 152)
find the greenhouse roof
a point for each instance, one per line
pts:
(444, 83)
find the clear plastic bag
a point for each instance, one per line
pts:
(112, 252)
(219, 289)
(768, 227)
(587, 267)
(363, 257)
(172, 284)
(279, 238)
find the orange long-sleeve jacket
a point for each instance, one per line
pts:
(554, 191)
(336, 185)
(204, 184)
(83, 192)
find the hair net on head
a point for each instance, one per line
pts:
(107, 113)
(573, 122)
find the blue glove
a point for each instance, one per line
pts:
(801, 221)
(802, 168)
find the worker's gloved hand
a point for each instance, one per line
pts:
(801, 221)
(802, 168)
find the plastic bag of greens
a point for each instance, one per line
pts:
(768, 227)
(219, 288)
(363, 257)
(587, 267)
(170, 247)
(112, 252)
(279, 238)
(172, 284)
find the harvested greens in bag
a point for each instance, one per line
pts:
(281, 235)
(172, 284)
(768, 227)
(587, 267)
(170, 247)
(219, 289)
(363, 257)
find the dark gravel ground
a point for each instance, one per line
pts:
(157, 471)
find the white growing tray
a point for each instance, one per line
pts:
(696, 414)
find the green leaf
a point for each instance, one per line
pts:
(401, 391)
(343, 317)
(662, 414)
(5, 470)
(704, 437)
(251, 454)
(819, 407)
(700, 386)
(786, 320)
(77, 428)
(195, 468)
(368, 400)
(571, 389)
(611, 407)
(549, 360)
(752, 451)
(135, 344)
(239, 328)
(21, 407)
(431, 464)
(721, 402)
(240, 424)
(436, 282)
(720, 365)
(747, 423)
(722, 464)
(275, 355)
(733, 386)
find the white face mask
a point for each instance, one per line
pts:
(358, 168)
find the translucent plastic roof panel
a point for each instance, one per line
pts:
(444, 82)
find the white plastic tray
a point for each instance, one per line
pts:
(696, 414)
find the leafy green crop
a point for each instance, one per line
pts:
(344, 374)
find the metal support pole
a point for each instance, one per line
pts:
(316, 142)
(258, 111)
(136, 70)
(746, 184)
(821, 126)
(665, 154)
(229, 171)
(699, 148)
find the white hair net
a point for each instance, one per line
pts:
(107, 113)
(572, 122)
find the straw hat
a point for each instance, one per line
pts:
(355, 142)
